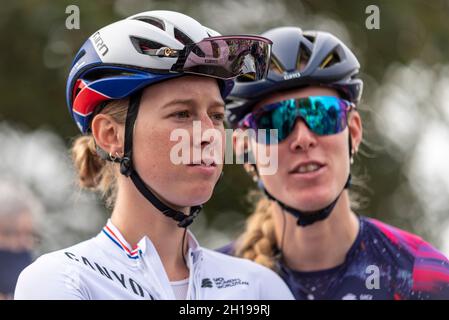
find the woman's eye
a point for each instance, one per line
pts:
(218, 117)
(181, 114)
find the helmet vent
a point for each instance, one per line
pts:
(330, 60)
(155, 22)
(142, 45)
(247, 77)
(303, 57)
(276, 66)
(309, 37)
(182, 37)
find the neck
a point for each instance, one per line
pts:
(322, 245)
(136, 218)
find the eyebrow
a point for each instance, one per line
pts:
(191, 102)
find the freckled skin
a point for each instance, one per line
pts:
(177, 184)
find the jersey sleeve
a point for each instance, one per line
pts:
(430, 274)
(46, 279)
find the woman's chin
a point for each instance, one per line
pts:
(309, 201)
(194, 195)
(310, 207)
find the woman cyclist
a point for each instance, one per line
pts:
(128, 89)
(303, 227)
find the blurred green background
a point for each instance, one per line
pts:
(404, 108)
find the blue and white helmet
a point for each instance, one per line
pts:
(113, 63)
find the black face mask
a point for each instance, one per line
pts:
(11, 264)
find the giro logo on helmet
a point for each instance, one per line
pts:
(101, 47)
(293, 75)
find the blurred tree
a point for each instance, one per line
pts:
(37, 50)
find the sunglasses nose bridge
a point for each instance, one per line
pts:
(301, 121)
(301, 135)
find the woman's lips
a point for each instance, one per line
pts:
(203, 168)
(308, 170)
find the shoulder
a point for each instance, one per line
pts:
(54, 275)
(430, 270)
(396, 235)
(430, 273)
(418, 247)
(268, 282)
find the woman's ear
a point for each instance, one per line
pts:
(355, 129)
(108, 134)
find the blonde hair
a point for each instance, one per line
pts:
(94, 173)
(258, 242)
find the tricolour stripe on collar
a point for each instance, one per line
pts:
(117, 238)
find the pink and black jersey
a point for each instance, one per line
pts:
(383, 263)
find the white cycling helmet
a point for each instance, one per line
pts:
(150, 47)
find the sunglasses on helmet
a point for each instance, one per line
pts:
(223, 57)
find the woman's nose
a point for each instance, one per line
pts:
(301, 138)
(206, 122)
(209, 131)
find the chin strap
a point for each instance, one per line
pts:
(128, 170)
(306, 218)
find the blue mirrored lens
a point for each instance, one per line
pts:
(323, 115)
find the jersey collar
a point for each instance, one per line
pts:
(112, 236)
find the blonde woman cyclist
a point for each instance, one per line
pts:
(128, 89)
(304, 227)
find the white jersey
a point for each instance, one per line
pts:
(105, 267)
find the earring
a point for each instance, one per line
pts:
(251, 169)
(254, 175)
(111, 157)
(353, 153)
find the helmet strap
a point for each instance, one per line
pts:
(307, 218)
(127, 169)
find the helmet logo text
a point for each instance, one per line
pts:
(294, 75)
(100, 44)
